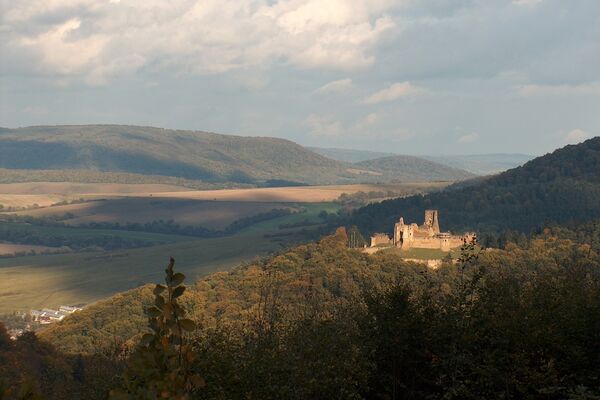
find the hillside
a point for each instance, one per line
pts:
(482, 164)
(348, 155)
(153, 151)
(407, 168)
(320, 319)
(128, 152)
(561, 186)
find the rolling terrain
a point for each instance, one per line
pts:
(153, 151)
(89, 151)
(482, 164)
(233, 225)
(402, 168)
(560, 187)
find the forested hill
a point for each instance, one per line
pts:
(194, 155)
(560, 186)
(322, 321)
(188, 154)
(404, 168)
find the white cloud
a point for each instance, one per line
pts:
(577, 136)
(324, 125)
(393, 92)
(468, 138)
(99, 40)
(364, 125)
(339, 86)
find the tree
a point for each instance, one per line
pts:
(160, 366)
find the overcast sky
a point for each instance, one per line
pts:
(408, 76)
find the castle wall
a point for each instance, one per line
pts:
(380, 239)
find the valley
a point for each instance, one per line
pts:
(113, 236)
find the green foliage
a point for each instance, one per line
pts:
(160, 366)
(31, 369)
(324, 321)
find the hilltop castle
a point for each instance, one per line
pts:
(426, 236)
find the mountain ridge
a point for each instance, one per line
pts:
(197, 155)
(561, 186)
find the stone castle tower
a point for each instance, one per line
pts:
(431, 221)
(425, 236)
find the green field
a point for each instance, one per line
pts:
(51, 280)
(310, 213)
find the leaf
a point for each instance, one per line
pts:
(159, 302)
(178, 291)
(177, 279)
(187, 325)
(158, 289)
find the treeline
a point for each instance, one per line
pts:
(322, 321)
(560, 187)
(173, 228)
(22, 230)
(14, 233)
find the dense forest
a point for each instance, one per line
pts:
(559, 187)
(322, 321)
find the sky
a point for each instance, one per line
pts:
(404, 76)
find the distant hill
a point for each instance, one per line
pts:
(406, 168)
(482, 164)
(478, 164)
(154, 151)
(562, 186)
(192, 155)
(348, 155)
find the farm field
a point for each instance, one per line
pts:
(305, 194)
(49, 280)
(12, 248)
(186, 212)
(72, 188)
(23, 195)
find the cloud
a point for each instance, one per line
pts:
(97, 41)
(468, 138)
(393, 92)
(339, 86)
(577, 136)
(324, 125)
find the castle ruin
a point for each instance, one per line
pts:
(426, 236)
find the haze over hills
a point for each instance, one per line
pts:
(482, 164)
(195, 155)
(478, 164)
(561, 186)
(406, 167)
